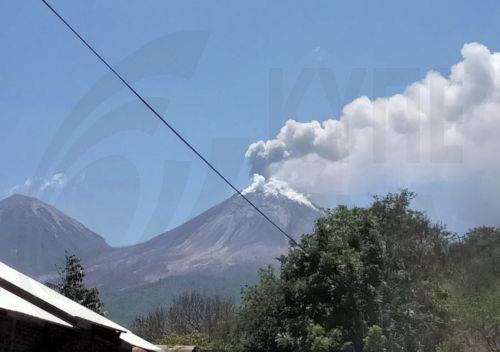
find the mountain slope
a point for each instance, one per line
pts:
(218, 251)
(34, 236)
(228, 236)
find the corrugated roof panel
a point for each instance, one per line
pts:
(13, 303)
(63, 303)
(54, 298)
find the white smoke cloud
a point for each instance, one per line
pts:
(274, 187)
(441, 132)
(57, 181)
(38, 185)
(20, 188)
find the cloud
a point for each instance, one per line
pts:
(442, 130)
(37, 185)
(21, 188)
(57, 181)
(274, 187)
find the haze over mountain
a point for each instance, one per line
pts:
(34, 236)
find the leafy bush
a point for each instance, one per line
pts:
(364, 280)
(377, 279)
(475, 283)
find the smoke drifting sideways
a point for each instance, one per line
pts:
(439, 138)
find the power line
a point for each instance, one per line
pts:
(193, 149)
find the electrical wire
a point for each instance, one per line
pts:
(169, 126)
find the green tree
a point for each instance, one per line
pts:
(415, 311)
(261, 319)
(71, 285)
(475, 283)
(364, 280)
(375, 341)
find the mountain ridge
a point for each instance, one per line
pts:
(225, 237)
(34, 235)
(218, 251)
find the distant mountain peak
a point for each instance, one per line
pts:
(276, 188)
(38, 207)
(20, 198)
(229, 236)
(35, 235)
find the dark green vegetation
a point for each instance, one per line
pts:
(382, 278)
(71, 284)
(475, 282)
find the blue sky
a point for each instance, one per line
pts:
(217, 93)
